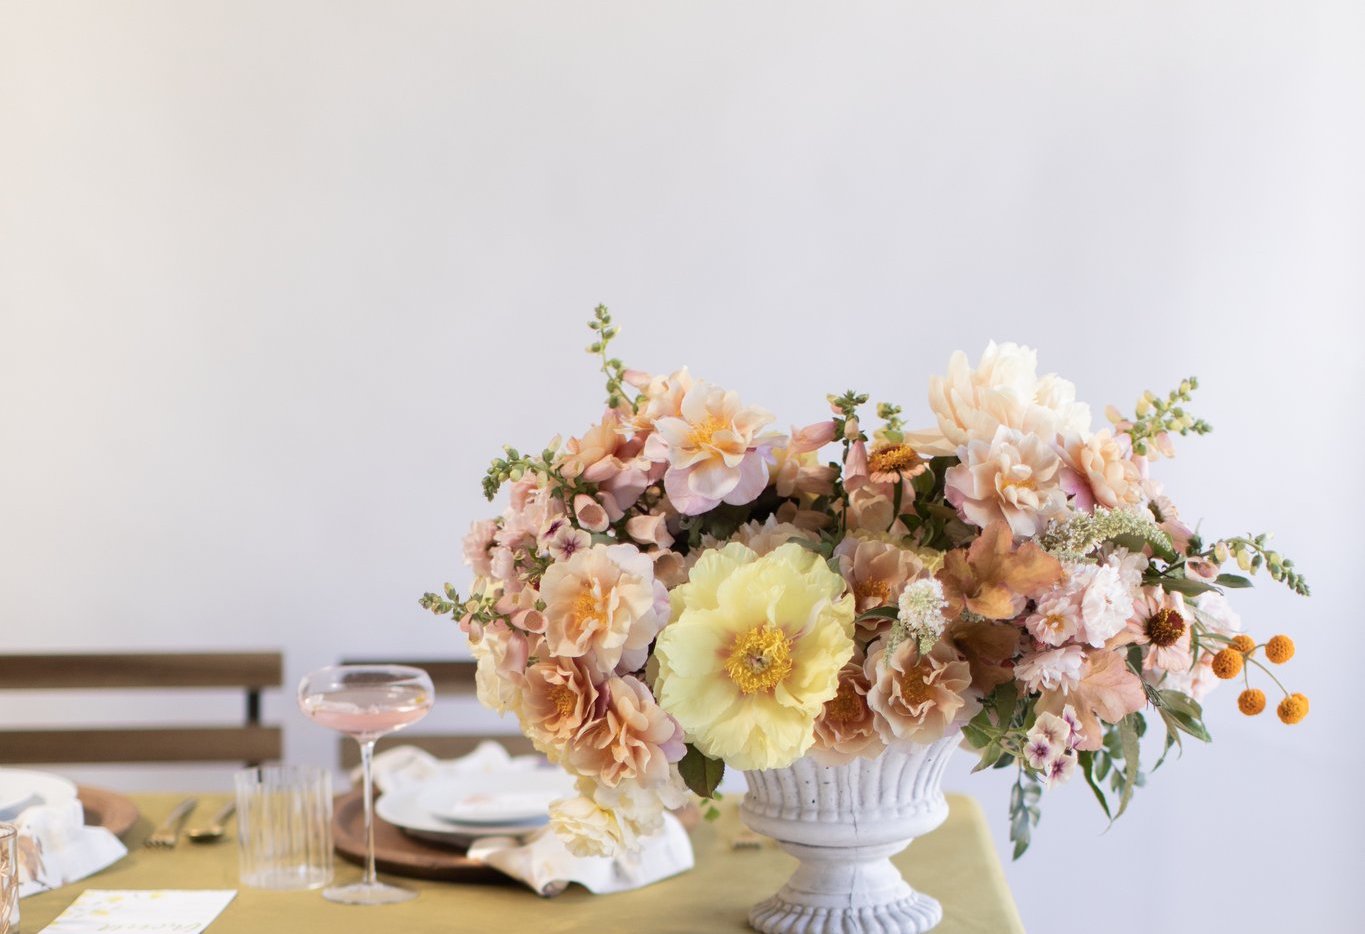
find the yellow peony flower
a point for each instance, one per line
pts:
(753, 653)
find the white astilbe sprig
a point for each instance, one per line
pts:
(920, 616)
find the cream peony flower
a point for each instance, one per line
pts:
(585, 827)
(603, 603)
(604, 821)
(753, 653)
(715, 449)
(1014, 476)
(918, 697)
(1004, 389)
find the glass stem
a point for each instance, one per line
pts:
(366, 758)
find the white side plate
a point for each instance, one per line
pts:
(22, 788)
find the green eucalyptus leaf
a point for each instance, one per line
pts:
(1185, 585)
(1128, 741)
(701, 773)
(1172, 739)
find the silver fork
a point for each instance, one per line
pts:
(168, 833)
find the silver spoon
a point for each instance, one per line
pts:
(215, 830)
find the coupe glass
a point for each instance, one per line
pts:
(365, 702)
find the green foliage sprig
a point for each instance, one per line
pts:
(848, 430)
(478, 608)
(612, 368)
(1157, 416)
(1252, 555)
(893, 426)
(1025, 811)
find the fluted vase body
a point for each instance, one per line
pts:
(844, 823)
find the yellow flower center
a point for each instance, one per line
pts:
(760, 659)
(914, 685)
(1165, 627)
(846, 706)
(587, 610)
(877, 591)
(703, 432)
(564, 699)
(1055, 622)
(1018, 483)
(893, 458)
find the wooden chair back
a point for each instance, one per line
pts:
(452, 679)
(250, 742)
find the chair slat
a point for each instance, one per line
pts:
(447, 676)
(168, 744)
(141, 670)
(440, 746)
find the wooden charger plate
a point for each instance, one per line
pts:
(397, 853)
(107, 809)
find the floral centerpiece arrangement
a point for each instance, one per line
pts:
(684, 586)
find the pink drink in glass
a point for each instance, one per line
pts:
(368, 711)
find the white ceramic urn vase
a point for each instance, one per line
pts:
(844, 823)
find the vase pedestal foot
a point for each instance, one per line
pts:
(846, 890)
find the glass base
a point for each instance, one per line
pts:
(372, 893)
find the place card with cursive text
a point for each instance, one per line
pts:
(136, 911)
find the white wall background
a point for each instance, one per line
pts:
(277, 279)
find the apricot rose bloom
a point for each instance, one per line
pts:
(1012, 476)
(715, 449)
(1100, 471)
(876, 570)
(603, 603)
(631, 739)
(558, 698)
(918, 697)
(847, 729)
(754, 652)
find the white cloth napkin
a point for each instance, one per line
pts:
(541, 860)
(55, 847)
(404, 767)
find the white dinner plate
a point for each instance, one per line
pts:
(496, 799)
(403, 810)
(22, 788)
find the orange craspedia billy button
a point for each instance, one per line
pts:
(1280, 649)
(1293, 708)
(1243, 643)
(1227, 664)
(1251, 701)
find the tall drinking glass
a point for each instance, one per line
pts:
(9, 879)
(365, 702)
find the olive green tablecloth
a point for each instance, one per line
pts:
(956, 864)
